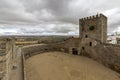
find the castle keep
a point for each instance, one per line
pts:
(94, 27)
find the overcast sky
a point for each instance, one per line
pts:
(44, 17)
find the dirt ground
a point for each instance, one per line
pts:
(62, 66)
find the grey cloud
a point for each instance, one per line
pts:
(65, 28)
(14, 11)
(36, 16)
(57, 7)
(113, 19)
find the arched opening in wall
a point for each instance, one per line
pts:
(86, 36)
(90, 44)
(83, 48)
(74, 51)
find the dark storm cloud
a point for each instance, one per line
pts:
(54, 16)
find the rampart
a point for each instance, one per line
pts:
(7, 58)
(104, 53)
(31, 50)
(107, 54)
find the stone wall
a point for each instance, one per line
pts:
(31, 50)
(10, 46)
(7, 50)
(2, 58)
(107, 54)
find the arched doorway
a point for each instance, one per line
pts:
(74, 51)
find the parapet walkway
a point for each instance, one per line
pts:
(17, 73)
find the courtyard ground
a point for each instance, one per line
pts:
(62, 66)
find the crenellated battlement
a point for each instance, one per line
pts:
(92, 17)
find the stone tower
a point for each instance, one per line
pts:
(94, 27)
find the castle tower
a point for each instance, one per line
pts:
(94, 27)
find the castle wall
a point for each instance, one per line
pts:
(6, 51)
(2, 58)
(10, 52)
(108, 55)
(31, 50)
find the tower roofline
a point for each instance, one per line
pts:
(92, 17)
